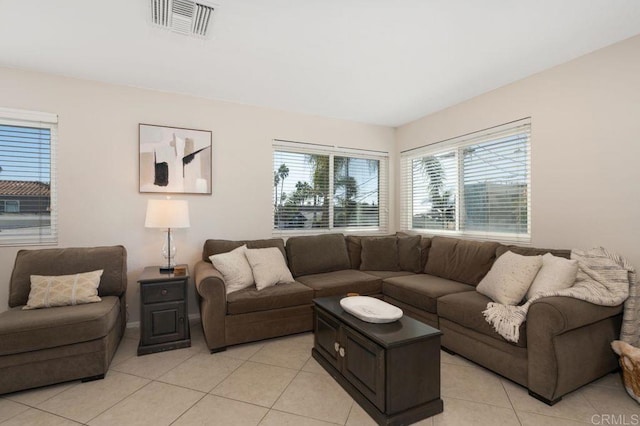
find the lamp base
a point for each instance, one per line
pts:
(166, 269)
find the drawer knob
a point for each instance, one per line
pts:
(336, 346)
(164, 292)
(342, 352)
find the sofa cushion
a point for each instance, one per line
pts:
(421, 290)
(65, 261)
(280, 296)
(532, 251)
(342, 282)
(354, 249)
(315, 254)
(460, 260)
(466, 309)
(212, 247)
(388, 274)
(409, 253)
(425, 246)
(32, 330)
(379, 254)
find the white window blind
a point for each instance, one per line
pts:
(28, 213)
(320, 188)
(476, 185)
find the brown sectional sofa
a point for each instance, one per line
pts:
(564, 343)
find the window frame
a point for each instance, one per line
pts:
(336, 151)
(457, 145)
(41, 120)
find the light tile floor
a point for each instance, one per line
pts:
(277, 383)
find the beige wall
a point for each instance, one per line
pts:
(98, 197)
(585, 150)
(585, 146)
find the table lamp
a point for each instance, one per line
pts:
(167, 214)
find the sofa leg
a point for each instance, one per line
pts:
(215, 350)
(92, 378)
(447, 350)
(543, 399)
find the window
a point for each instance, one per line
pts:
(12, 206)
(317, 187)
(27, 177)
(477, 185)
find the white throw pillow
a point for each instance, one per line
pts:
(268, 266)
(557, 273)
(63, 290)
(235, 269)
(510, 277)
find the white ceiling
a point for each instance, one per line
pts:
(381, 62)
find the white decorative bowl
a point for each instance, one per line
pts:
(370, 309)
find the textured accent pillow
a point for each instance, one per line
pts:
(510, 277)
(557, 273)
(235, 269)
(63, 290)
(379, 254)
(268, 266)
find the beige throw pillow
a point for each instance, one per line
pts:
(268, 266)
(235, 269)
(557, 273)
(63, 290)
(510, 277)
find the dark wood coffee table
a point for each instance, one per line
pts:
(392, 370)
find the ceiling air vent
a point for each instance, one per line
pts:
(182, 16)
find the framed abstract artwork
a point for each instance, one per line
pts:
(174, 160)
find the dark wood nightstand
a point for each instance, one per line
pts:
(164, 321)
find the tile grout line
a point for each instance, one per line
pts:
(128, 396)
(513, 408)
(188, 409)
(287, 387)
(27, 407)
(226, 377)
(350, 410)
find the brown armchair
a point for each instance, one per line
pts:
(44, 346)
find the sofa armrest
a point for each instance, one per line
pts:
(568, 344)
(208, 280)
(561, 314)
(212, 297)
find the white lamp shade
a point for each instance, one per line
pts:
(167, 214)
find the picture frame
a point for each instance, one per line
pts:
(174, 160)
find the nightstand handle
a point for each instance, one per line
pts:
(164, 292)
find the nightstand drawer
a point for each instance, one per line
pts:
(162, 292)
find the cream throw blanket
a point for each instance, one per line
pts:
(603, 279)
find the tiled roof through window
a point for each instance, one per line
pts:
(24, 188)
